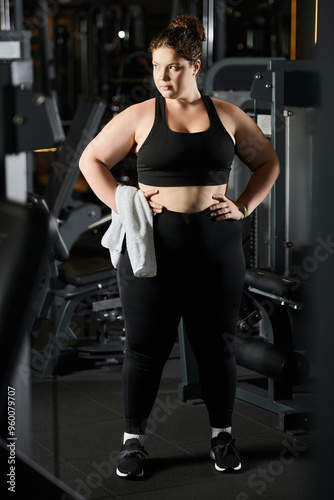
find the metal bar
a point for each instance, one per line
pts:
(4, 15)
(48, 66)
(18, 14)
(278, 192)
(258, 396)
(282, 300)
(7, 15)
(205, 25)
(287, 236)
(103, 305)
(220, 31)
(210, 31)
(77, 292)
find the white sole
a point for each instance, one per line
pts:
(212, 455)
(121, 474)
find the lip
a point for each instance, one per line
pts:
(165, 87)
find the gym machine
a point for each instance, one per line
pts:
(29, 119)
(69, 282)
(65, 283)
(85, 287)
(274, 311)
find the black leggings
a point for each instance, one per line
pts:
(200, 275)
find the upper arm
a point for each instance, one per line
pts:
(115, 140)
(251, 145)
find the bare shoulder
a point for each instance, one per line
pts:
(138, 112)
(227, 113)
(144, 111)
(235, 118)
(228, 108)
(122, 133)
(144, 114)
(144, 106)
(132, 116)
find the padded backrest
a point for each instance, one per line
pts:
(233, 73)
(65, 170)
(24, 249)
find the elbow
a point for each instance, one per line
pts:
(86, 161)
(276, 165)
(273, 167)
(82, 161)
(270, 168)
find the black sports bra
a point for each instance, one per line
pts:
(169, 158)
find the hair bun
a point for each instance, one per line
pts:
(191, 23)
(184, 35)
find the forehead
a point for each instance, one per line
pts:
(167, 55)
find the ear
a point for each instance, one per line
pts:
(197, 66)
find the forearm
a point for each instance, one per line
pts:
(100, 180)
(259, 186)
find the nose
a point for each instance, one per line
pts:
(164, 74)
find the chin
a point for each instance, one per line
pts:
(167, 92)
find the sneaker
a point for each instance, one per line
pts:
(224, 452)
(130, 460)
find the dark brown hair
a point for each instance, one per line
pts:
(185, 35)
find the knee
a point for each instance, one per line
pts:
(143, 362)
(228, 344)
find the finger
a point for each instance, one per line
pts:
(151, 192)
(155, 206)
(156, 211)
(220, 197)
(215, 206)
(220, 206)
(220, 212)
(223, 217)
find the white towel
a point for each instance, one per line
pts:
(135, 220)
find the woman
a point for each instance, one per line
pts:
(185, 144)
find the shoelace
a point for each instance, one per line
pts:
(129, 453)
(225, 447)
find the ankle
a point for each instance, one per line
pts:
(128, 435)
(217, 430)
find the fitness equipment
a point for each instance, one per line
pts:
(268, 349)
(84, 287)
(25, 246)
(23, 110)
(65, 287)
(290, 89)
(68, 284)
(74, 215)
(25, 238)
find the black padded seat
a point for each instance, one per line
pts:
(86, 271)
(272, 283)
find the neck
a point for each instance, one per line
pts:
(190, 98)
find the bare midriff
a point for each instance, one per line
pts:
(185, 199)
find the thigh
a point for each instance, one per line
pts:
(150, 312)
(215, 290)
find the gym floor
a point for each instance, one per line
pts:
(77, 427)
